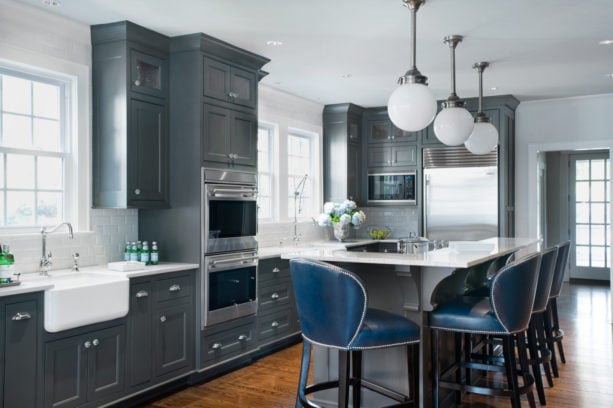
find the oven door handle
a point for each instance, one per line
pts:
(233, 192)
(233, 262)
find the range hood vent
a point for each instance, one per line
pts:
(457, 157)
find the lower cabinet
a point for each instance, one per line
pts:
(228, 340)
(160, 328)
(84, 368)
(20, 348)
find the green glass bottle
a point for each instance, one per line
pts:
(155, 255)
(6, 265)
(133, 252)
(144, 254)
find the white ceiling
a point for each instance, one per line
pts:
(538, 49)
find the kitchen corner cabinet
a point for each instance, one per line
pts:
(214, 100)
(21, 353)
(397, 155)
(130, 116)
(85, 368)
(342, 146)
(160, 328)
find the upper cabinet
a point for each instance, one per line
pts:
(214, 101)
(130, 116)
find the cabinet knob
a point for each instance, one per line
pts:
(242, 337)
(174, 288)
(137, 191)
(162, 319)
(276, 270)
(217, 346)
(274, 296)
(275, 324)
(95, 342)
(21, 316)
(137, 82)
(87, 344)
(232, 95)
(142, 294)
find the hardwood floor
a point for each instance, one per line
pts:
(585, 379)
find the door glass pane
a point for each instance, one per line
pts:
(582, 212)
(598, 167)
(583, 256)
(598, 213)
(598, 193)
(582, 191)
(582, 170)
(582, 235)
(598, 256)
(597, 235)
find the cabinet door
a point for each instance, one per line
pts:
(243, 87)
(216, 80)
(399, 135)
(148, 74)
(65, 373)
(140, 343)
(378, 130)
(106, 363)
(243, 140)
(147, 154)
(215, 134)
(379, 157)
(173, 339)
(23, 325)
(354, 169)
(404, 155)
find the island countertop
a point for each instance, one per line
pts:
(462, 256)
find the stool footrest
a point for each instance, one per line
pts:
(500, 392)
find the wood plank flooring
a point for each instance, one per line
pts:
(585, 380)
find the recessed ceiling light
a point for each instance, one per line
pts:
(605, 42)
(52, 3)
(346, 76)
(274, 43)
(610, 75)
(494, 88)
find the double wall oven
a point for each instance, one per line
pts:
(229, 217)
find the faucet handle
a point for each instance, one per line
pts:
(75, 258)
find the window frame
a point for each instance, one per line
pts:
(273, 132)
(312, 137)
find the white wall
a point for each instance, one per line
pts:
(34, 38)
(554, 125)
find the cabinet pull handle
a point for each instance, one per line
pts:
(162, 319)
(232, 95)
(87, 344)
(95, 342)
(275, 324)
(242, 337)
(137, 191)
(276, 270)
(142, 294)
(174, 288)
(274, 296)
(217, 346)
(21, 316)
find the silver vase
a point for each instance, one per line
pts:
(341, 232)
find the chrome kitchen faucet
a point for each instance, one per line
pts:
(45, 260)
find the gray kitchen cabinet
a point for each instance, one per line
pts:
(160, 328)
(343, 169)
(380, 129)
(389, 157)
(227, 341)
(20, 342)
(227, 136)
(229, 83)
(85, 368)
(130, 109)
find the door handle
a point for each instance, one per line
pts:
(142, 294)
(21, 316)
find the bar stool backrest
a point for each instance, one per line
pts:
(331, 302)
(558, 275)
(512, 291)
(548, 264)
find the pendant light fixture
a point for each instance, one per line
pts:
(454, 124)
(484, 137)
(412, 105)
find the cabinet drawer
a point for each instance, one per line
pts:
(271, 296)
(272, 270)
(223, 345)
(176, 287)
(274, 325)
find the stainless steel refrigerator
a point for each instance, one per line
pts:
(461, 194)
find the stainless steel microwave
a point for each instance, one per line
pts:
(392, 188)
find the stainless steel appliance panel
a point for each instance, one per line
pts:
(392, 188)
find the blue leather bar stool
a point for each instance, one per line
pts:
(333, 310)
(504, 314)
(539, 352)
(553, 331)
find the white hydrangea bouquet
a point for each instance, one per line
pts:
(342, 216)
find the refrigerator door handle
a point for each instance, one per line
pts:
(426, 202)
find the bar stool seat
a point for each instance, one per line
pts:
(504, 314)
(332, 309)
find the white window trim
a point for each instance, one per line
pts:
(274, 164)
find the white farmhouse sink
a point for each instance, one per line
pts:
(81, 298)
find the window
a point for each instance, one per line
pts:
(300, 174)
(33, 149)
(265, 171)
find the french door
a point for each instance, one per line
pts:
(590, 226)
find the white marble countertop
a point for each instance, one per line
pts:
(446, 257)
(33, 282)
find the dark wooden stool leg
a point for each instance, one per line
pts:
(413, 372)
(356, 362)
(458, 337)
(556, 328)
(508, 350)
(550, 341)
(468, 349)
(343, 379)
(435, 368)
(534, 358)
(542, 343)
(304, 372)
(525, 368)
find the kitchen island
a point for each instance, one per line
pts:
(410, 285)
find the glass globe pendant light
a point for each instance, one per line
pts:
(484, 137)
(412, 105)
(454, 124)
